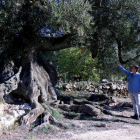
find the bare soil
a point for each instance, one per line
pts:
(118, 126)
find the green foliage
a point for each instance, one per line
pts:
(17, 123)
(20, 25)
(56, 114)
(31, 136)
(116, 34)
(48, 129)
(44, 129)
(70, 126)
(32, 125)
(72, 15)
(74, 62)
(107, 28)
(22, 21)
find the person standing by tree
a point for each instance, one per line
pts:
(134, 88)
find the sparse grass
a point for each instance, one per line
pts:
(47, 129)
(75, 115)
(31, 137)
(69, 126)
(56, 114)
(115, 93)
(32, 126)
(126, 97)
(44, 129)
(61, 89)
(11, 127)
(17, 123)
(28, 138)
(85, 91)
(78, 94)
(118, 119)
(85, 96)
(135, 124)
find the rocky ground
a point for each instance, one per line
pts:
(119, 125)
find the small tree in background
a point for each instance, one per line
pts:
(76, 63)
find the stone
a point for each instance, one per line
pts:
(100, 87)
(16, 113)
(118, 88)
(113, 87)
(25, 107)
(6, 121)
(90, 88)
(104, 80)
(96, 90)
(15, 107)
(69, 87)
(106, 87)
(21, 112)
(1, 108)
(11, 113)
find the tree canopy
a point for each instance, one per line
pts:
(107, 28)
(41, 24)
(116, 33)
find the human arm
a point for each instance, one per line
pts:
(122, 69)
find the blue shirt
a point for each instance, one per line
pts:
(134, 80)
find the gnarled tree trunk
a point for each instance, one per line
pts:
(35, 80)
(30, 80)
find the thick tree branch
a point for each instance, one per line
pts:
(106, 8)
(55, 44)
(119, 52)
(94, 46)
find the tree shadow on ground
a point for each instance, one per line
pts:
(121, 109)
(117, 118)
(114, 120)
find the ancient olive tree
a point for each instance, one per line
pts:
(29, 29)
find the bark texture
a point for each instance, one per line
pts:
(35, 80)
(31, 81)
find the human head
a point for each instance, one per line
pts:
(135, 68)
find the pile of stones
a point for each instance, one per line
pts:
(115, 88)
(10, 113)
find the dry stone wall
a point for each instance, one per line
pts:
(114, 88)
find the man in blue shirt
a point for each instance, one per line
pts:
(134, 88)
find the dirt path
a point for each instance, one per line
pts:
(127, 133)
(124, 130)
